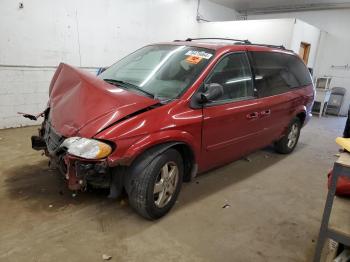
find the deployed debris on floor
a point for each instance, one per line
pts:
(106, 257)
(226, 206)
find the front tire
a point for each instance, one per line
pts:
(288, 142)
(153, 187)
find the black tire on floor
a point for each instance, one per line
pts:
(142, 178)
(284, 145)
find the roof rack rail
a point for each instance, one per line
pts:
(271, 46)
(217, 38)
(238, 42)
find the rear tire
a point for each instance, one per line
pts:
(153, 187)
(288, 142)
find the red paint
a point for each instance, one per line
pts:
(83, 105)
(343, 185)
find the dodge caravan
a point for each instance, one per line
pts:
(169, 111)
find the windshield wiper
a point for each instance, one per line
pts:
(114, 81)
(126, 84)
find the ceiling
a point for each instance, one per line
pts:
(277, 6)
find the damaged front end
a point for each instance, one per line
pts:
(78, 172)
(81, 106)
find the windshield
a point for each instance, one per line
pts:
(163, 71)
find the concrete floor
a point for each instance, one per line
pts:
(275, 209)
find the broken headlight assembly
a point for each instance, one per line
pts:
(87, 148)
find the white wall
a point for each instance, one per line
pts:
(287, 32)
(256, 31)
(211, 11)
(82, 33)
(304, 32)
(334, 45)
(94, 33)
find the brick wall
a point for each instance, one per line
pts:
(23, 89)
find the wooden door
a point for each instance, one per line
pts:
(304, 51)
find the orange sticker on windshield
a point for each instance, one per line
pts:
(193, 59)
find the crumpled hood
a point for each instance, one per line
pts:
(82, 104)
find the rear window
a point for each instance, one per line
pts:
(276, 73)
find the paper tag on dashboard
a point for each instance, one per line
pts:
(200, 54)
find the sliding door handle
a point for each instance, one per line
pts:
(253, 115)
(265, 112)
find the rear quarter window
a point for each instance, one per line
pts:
(276, 73)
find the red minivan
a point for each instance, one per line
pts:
(169, 111)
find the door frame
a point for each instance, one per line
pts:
(306, 54)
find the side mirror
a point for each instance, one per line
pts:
(212, 92)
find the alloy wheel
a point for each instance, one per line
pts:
(293, 135)
(166, 184)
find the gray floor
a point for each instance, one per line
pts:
(275, 209)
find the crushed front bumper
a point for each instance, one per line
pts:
(80, 172)
(77, 171)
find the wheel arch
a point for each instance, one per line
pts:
(185, 150)
(300, 112)
(302, 117)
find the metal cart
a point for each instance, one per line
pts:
(337, 226)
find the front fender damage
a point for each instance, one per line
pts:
(81, 173)
(78, 172)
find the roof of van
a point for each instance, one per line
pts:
(217, 43)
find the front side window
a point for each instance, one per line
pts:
(276, 73)
(234, 74)
(163, 71)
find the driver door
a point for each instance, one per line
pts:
(232, 126)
